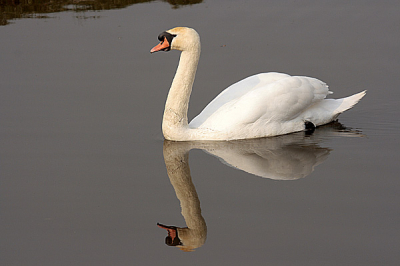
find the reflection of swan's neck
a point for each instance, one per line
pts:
(176, 161)
(175, 120)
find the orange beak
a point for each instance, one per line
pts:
(161, 46)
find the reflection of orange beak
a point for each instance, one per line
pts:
(171, 230)
(161, 46)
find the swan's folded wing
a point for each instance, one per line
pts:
(234, 92)
(278, 101)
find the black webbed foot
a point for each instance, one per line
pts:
(309, 128)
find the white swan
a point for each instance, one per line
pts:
(263, 105)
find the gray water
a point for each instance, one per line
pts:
(83, 177)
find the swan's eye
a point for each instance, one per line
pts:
(162, 36)
(165, 35)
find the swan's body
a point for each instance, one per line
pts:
(262, 105)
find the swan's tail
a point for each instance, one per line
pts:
(329, 109)
(349, 102)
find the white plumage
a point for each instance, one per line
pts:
(263, 105)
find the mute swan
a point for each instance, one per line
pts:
(263, 105)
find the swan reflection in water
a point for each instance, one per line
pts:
(287, 157)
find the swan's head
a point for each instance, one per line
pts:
(180, 38)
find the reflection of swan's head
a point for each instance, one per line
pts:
(172, 239)
(179, 38)
(182, 238)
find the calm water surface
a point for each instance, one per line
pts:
(86, 175)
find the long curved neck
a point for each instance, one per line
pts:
(176, 107)
(176, 157)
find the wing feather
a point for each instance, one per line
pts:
(267, 97)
